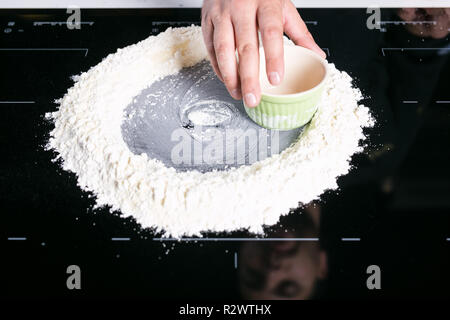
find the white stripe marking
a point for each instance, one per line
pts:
(406, 22)
(52, 23)
(16, 102)
(410, 49)
(236, 239)
(86, 50)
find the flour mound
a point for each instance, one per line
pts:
(87, 137)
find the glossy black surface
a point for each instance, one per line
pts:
(394, 207)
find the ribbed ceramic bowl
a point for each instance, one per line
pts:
(293, 103)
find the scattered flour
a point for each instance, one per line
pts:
(87, 136)
(213, 113)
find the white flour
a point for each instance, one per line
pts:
(213, 114)
(87, 136)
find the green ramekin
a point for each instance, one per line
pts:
(288, 111)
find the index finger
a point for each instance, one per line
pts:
(244, 22)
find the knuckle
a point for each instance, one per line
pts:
(272, 31)
(247, 49)
(269, 8)
(222, 50)
(206, 24)
(271, 61)
(229, 80)
(205, 14)
(229, 77)
(248, 82)
(216, 18)
(219, 17)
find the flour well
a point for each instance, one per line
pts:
(87, 136)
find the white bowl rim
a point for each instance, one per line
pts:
(322, 61)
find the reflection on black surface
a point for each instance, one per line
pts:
(402, 86)
(438, 18)
(285, 269)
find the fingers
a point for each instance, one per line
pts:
(297, 31)
(244, 21)
(225, 49)
(234, 25)
(208, 37)
(270, 22)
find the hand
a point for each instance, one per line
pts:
(438, 30)
(228, 25)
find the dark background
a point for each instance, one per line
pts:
(397, 200)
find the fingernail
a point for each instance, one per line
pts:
(320, 51)
(236, 93)
(274, 78)
(324, 54)
(250, 100)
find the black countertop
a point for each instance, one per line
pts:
(392, 211)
